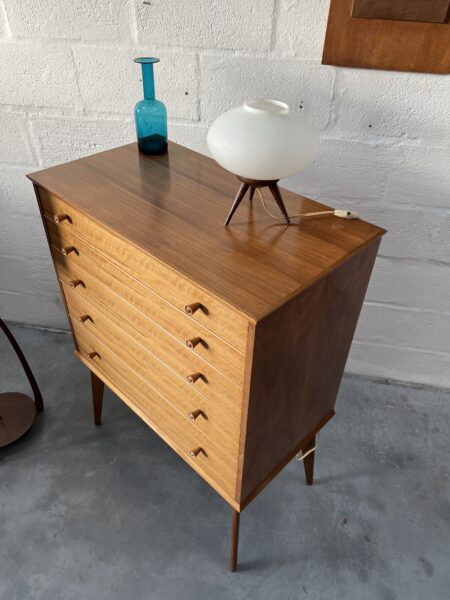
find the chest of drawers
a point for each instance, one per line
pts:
(230, 343)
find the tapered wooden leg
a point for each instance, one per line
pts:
(234, 540)
(251, 193)
(97, 387)
(273, 187)
(308, 461)
(244, 187)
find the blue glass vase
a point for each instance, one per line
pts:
(150, 114)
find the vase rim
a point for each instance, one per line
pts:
(266, 106)
(146, 60)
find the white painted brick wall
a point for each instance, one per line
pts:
(74, 20)
(66, 138)
(229, 80)
(110, 81)
(16, 195)
(347, 170)
(37, 74)
(4, 26)
(393, 105)
(300, 27)
(15, 145)
(68, 87)
(217, 24)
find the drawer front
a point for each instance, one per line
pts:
(216, 351)
(168, 422)
(216, 387)
(217, 316)
(197, 409)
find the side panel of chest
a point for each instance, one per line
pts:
(300, 351)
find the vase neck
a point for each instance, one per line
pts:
(148, 81)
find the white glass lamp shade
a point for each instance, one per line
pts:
(262, 140)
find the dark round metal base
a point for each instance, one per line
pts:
(17, 413)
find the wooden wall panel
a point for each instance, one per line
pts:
(434, 11)
(385, 44)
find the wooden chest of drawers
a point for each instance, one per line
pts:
(229, 342)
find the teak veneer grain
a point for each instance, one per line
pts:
(229, 342)
(214, 421)
(154, 204)
(217, 386)
(164, 320)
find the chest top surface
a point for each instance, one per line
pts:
(173, 207)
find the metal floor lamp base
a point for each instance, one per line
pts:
(17, 414)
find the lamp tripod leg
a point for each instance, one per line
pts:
(273, 187)
(251, 193)
(242, 191)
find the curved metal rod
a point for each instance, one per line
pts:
(37, 394)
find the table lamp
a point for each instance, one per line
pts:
(261, 142)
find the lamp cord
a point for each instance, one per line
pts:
(301, 456)
(337, 213)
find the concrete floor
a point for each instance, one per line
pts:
(112, 513)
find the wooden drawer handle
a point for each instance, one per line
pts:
(193, 378)
(194, 342)
(195, 414)
(60, 218)
(84, 318)
(75, 283)
(68, 249)
(196, 451)
(92, 355)
(192, 308)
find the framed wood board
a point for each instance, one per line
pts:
(391, 35)
(429, 11)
